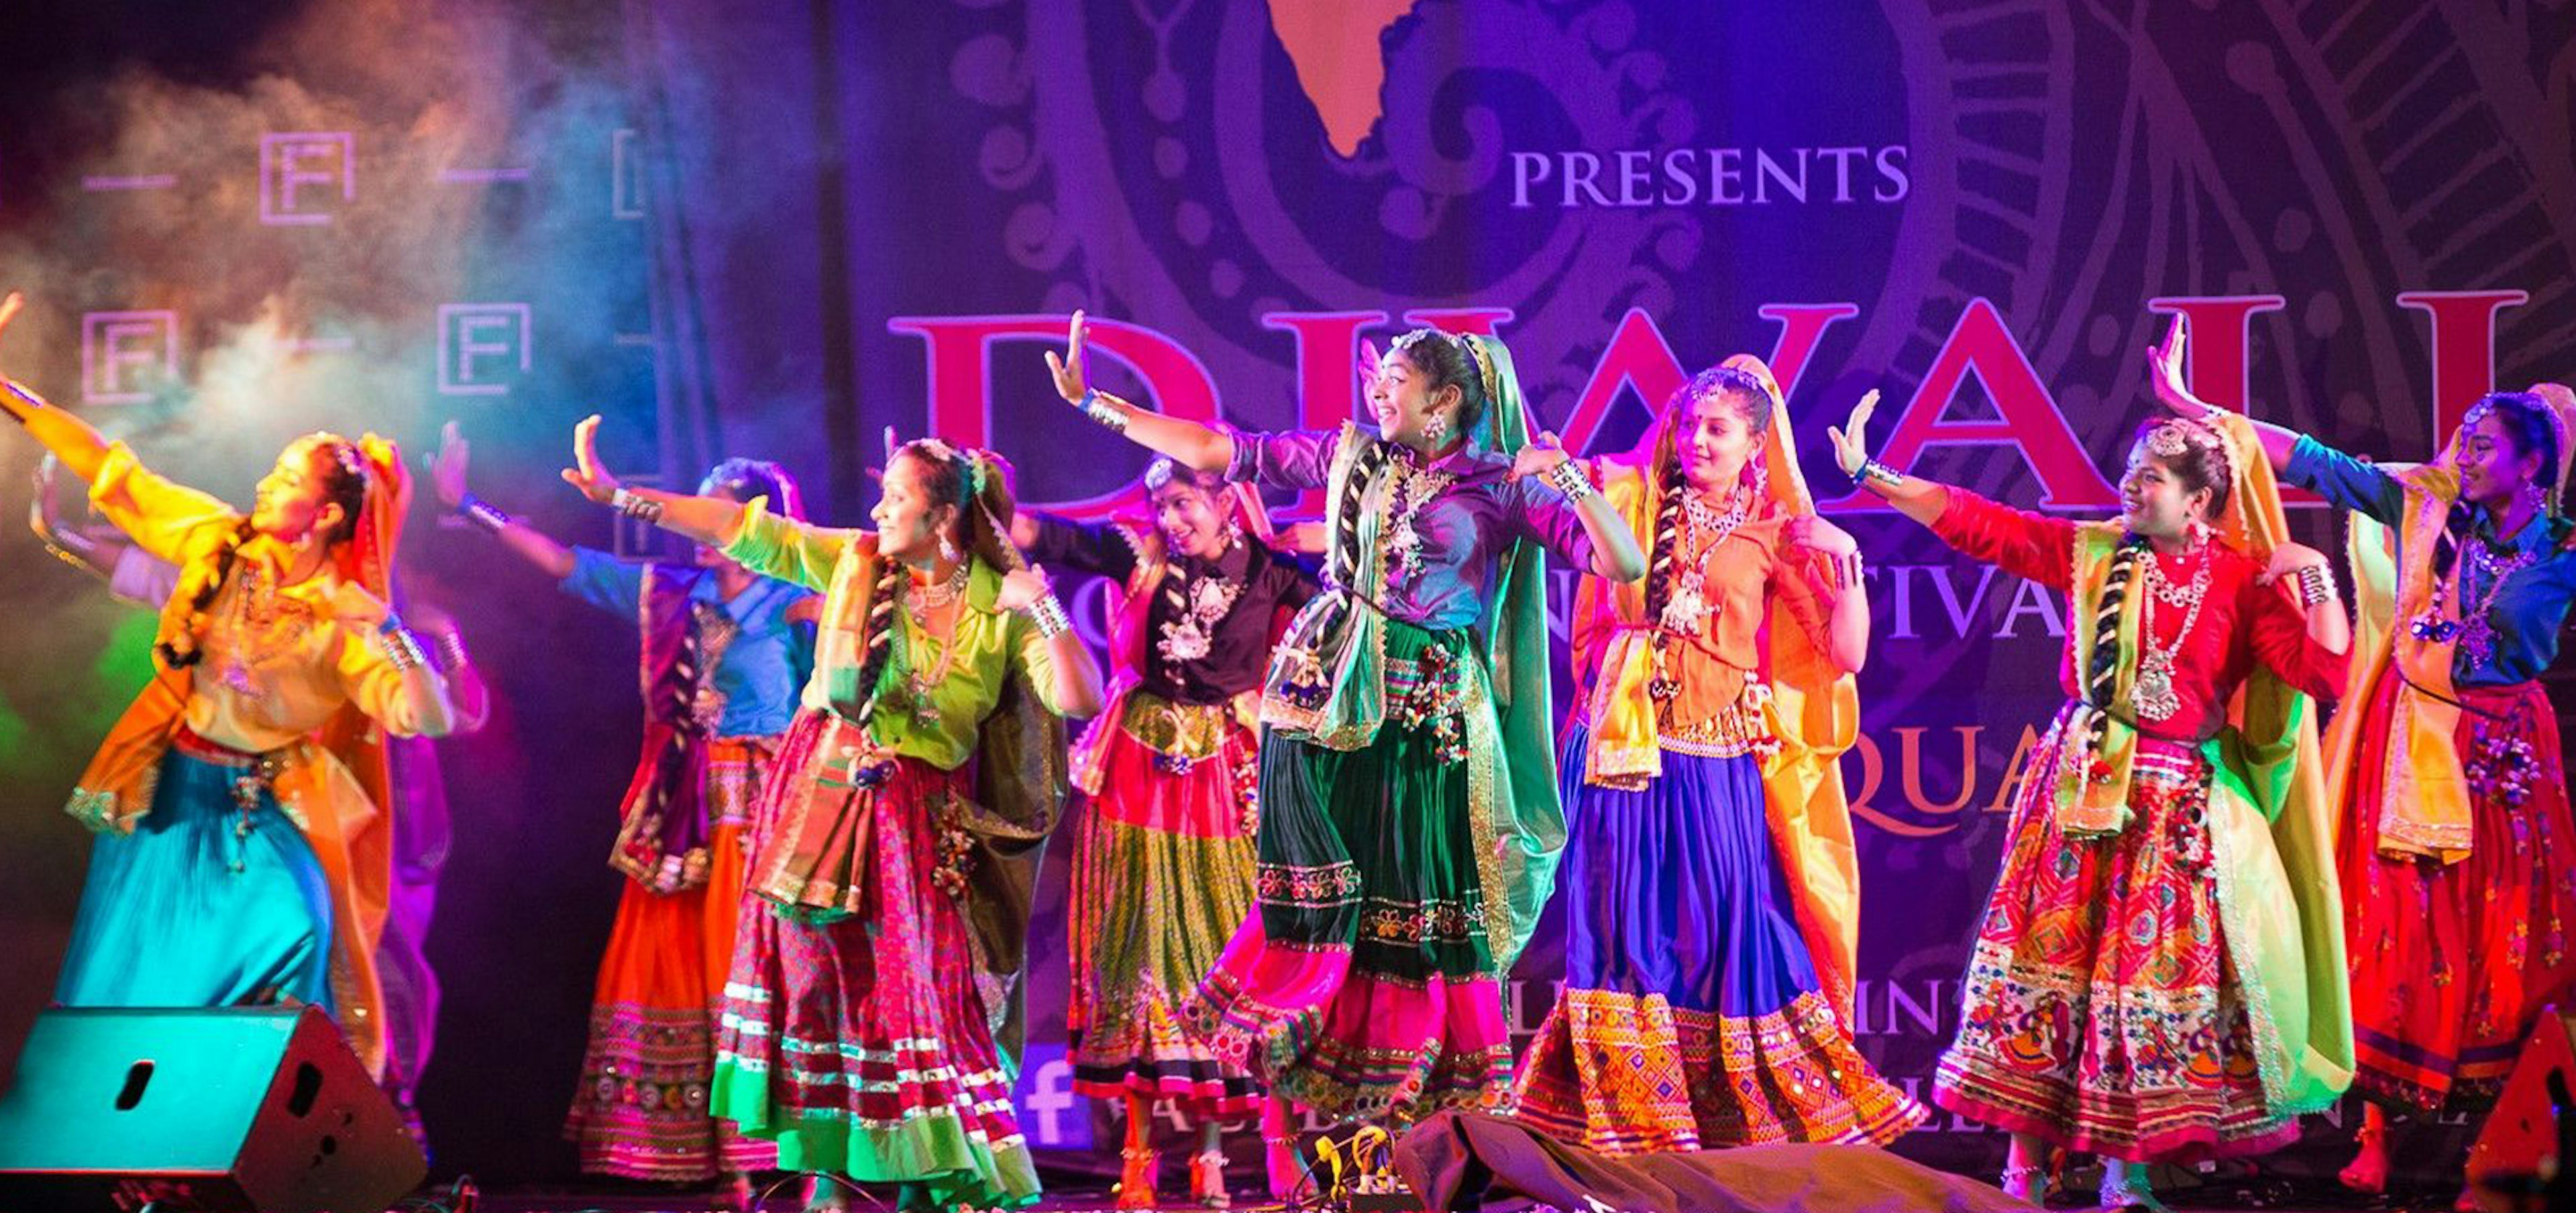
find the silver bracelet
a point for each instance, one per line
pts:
(402, 649)
(448, 653)
(1568, 478)
(1107, 414)
(1872, 471)
(2316, 585)
(636, 506)
(484, 514)
(1048, 614)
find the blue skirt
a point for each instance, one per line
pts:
(1692, 1017)
(205, 904)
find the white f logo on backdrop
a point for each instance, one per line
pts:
(483, 348)
(128, 357)
(296, 173)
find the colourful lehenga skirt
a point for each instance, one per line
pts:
(1363, 985)
(1162, 875)
(861, 1043)
(215, 900)
(1692, 1016)
(2101, 1009)
(2452, 964)
(641, 1110)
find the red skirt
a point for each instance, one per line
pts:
(2452, 963)
(2101, 1010)
(641, 1111)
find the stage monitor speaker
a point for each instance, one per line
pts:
(2520, 1137)
(224, 1110)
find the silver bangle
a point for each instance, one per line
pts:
(1568, 478)
(1048, 614)
(1872, 471)
(1107, 414)
(484, 514)
(447, 654)
(636, 506)
(402, 649)
(2316, 585)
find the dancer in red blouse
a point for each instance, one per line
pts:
(2140, 986)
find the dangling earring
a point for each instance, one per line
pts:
(1436, 430)
(947, 548)
(1233, 533)
(2533, 497)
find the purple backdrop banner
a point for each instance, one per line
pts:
(777, 230)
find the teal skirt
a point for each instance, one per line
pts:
(214, 900)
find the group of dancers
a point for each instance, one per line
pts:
(1321, 803)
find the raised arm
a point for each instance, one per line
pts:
(1198, 447)
(447, 475)
(2295, 457)
(1822, 570)
(708, 520)
(2029, 546)
(69, 438)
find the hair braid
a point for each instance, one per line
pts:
(1666, 544)
(181, 639)
(876, 635)
(2104, 670)
(1346, 512)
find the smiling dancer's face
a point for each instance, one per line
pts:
(293, 502)
(1405, 402)
(908, 523)
(2493, 467)
(2154, 501)
(1713, 438)
(1189, 519)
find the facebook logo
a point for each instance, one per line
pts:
(128, 357)
(483, 348)
(1050, 1116)
(305, 175)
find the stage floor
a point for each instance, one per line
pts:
(628, 1199)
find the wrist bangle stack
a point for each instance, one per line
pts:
(1048, 614)
(636, 507)
(448, 654)
(2316, 585)
(1568, 479)
(484, 514)
(402, 649)
(1109, 416)
(1873, 472)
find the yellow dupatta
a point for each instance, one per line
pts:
(2423, 808)
(1813, 708)
(334, 785)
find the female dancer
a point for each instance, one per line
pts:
(2147, 983)
(2457, 858)
(872, 1012)
(724, 653)
(1409, 817)
(243, 857)
(1712, 889)
(1162, 870)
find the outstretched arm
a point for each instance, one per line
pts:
(1198, 447)
(1913, 496)
(1615, 554)
(447, 474)
(1071, 679)
(2164, 372)
(69, 438)
(708, 520)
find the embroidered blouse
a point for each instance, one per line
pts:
(2528, 610)
(989, 644)
(1712, 665)
(1464, 527)
(278, 659)
(2240, 622)
(762, 668)
(1239, 639)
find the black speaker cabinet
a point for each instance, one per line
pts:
(226, 1110)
